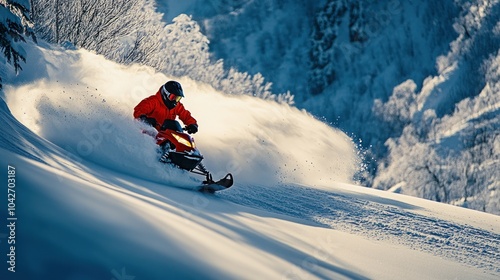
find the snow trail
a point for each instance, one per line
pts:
(379, 219)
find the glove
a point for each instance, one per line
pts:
(192, 128)
(146, 120)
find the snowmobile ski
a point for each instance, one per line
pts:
(210, 186)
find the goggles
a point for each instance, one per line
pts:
(174, 98)
(170, 96)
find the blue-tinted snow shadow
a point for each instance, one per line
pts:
(71, 230)
(206, 210)
(66, 230)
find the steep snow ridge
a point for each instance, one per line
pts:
(87, 112)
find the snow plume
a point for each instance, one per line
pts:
(259, 141)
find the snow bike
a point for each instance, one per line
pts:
(178, 148)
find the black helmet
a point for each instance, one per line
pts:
(171, 93)
(174, 88)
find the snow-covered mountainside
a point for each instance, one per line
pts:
(415, 81)
(92, 202)
(396, 76)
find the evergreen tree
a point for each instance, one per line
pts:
(325, 32)
(15, 23)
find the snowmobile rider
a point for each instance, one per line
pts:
(165, 105)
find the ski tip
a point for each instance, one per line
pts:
(220, 185)
(227, 181)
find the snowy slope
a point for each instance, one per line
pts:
(93, 204)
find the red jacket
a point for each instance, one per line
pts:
(153, 107)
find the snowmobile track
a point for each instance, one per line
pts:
(378, 218)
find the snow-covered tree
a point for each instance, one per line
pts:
(453, 159)
(399, 109)
(15, 24)
(124, 31)
(329, 51)
(185, 51)
(322, 53)
(186, 47)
